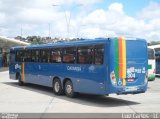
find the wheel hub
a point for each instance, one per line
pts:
(56, 86)
(69, 89)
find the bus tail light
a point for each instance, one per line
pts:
(113, 78)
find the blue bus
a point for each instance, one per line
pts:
(157, 55)
(99, 66)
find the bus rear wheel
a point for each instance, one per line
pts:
(20, 82)
(69, 91)
(57, 87)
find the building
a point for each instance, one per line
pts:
(5, 45)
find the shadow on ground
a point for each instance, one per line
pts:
(84, 99)
(4, 69)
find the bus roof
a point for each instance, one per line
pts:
(70, 43)
(154, 46)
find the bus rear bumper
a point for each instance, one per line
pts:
(130, 89)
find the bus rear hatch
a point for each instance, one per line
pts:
(129, 61)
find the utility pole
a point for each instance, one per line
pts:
(68, 19)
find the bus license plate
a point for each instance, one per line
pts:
(131, 88)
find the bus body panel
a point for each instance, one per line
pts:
(86, 78)
(157, 54)
(83, 77)
(134, 67)
(158, 67)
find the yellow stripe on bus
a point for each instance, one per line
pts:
(124, 61)
(23, 73)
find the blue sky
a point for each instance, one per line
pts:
(131, 7)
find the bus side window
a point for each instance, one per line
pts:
(56, 56)
(37, 56)
(27, 56)
(33, 56)
(45, 55)
(19, 56)
(99, 54)
(12, 57)
(69, 55)
(85, 55)
(24, 56)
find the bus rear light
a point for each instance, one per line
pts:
(113, 78)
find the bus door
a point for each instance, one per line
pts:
(12, 66)
(32, 66)
(43, 67)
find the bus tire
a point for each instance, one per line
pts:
(57, 87)
(20, 82)
(69, 91)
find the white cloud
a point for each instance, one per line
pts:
(35, 15)
(118, 23)
(117, 7)
(150, 12)
(2, 18)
